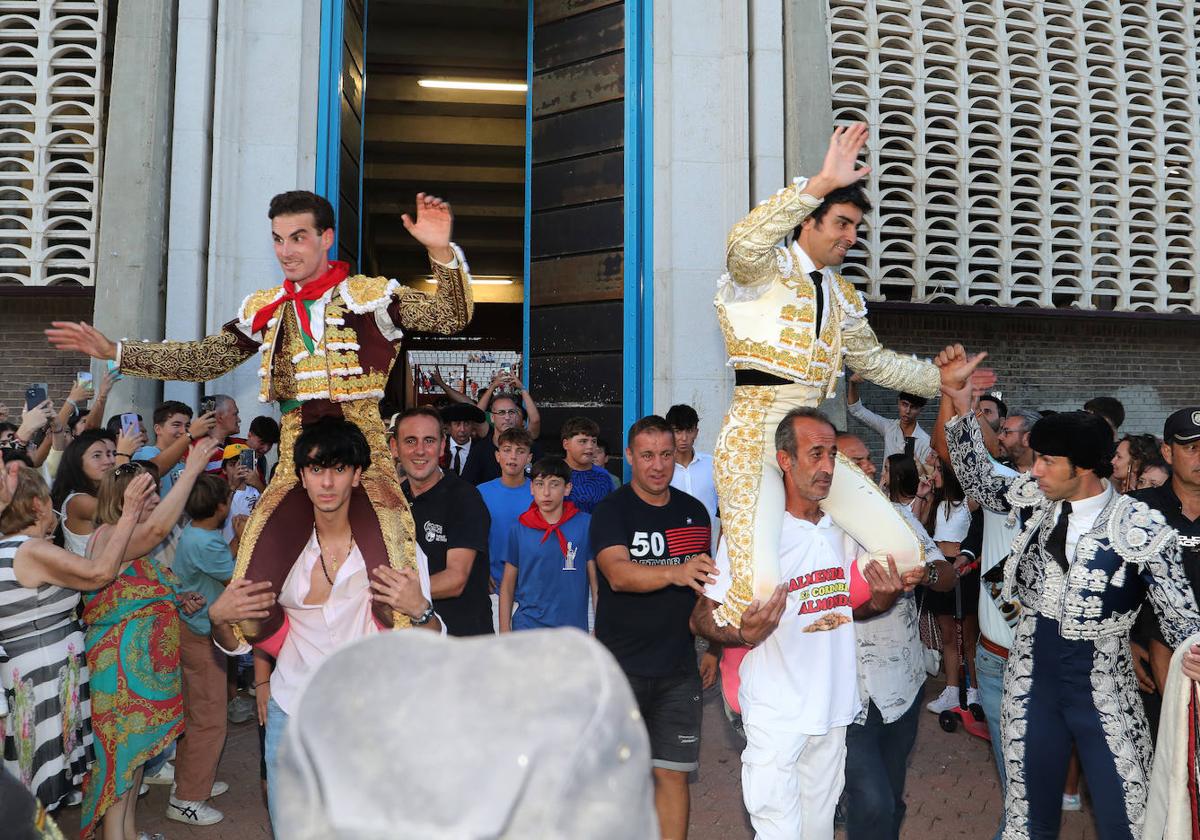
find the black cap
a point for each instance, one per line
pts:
(1183, 426)
(1084, 438)
(463, 411)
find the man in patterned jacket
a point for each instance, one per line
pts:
(1082, 565)
(788, 319)
(327, 342)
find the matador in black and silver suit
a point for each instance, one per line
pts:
(1082, 570)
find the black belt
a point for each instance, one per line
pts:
(757, 377)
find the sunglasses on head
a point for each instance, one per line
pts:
(127, 469)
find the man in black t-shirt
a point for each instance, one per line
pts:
(651, 545)
(452, 525)
(1179, 502)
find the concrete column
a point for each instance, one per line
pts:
(768, 104)
(191, 141)
(701, 187)
(808, 117)
(263, 143)
(808, 90)
(133, 202)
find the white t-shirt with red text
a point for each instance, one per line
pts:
(803, 677)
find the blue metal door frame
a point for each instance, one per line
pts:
(638, 375)
(328, 178)
(638, 350)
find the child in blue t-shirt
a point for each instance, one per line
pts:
(548, 568)
(203, 563)
(508, 496)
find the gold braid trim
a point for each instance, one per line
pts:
(750, 253)
(447, 311)
(737, 471)
(865, 355)
(184, 361)
(283, 480)
(387, 499)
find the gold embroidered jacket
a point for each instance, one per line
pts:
(356, 325)
(766, 307)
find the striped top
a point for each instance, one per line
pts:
(27, 612)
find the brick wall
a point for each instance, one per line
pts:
(1058, 362)
(28, 357)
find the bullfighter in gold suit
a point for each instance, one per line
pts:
(327, 342)
(790, 322)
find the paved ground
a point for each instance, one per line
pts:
(952, 790)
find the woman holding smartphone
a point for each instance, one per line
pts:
(85, 462)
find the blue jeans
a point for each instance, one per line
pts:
(989, 671)
(876, 764)
(277, 720)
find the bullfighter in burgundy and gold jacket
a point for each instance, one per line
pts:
(326, 348)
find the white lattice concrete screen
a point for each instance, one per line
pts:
(51, 101)
(1026, 152)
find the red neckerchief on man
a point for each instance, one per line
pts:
(533, 518)
(310, 291)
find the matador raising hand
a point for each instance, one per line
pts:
(326, 342)
(790, 322)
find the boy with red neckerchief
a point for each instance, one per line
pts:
(548, 570)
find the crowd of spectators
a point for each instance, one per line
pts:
(116, 541)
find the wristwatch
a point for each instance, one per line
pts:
(424, 618)
(931, 573)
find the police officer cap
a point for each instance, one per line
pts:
(1183, 426)
(1084, 438)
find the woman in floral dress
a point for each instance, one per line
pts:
(47, 732)
(133, 648)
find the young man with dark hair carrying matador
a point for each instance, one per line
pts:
(327, 341)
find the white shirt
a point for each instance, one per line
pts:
(797, 681)
(893, 437)
(463, 450)
(242, 504)
(1082, 517)
(998, 536)
(315, 631)
(952, 522)
(891, 658)
(696, 479)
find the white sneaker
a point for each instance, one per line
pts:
(164, 776)
(945, 701)
(143, 790)
(193, 813)
(972, 696)
(242, 709)
(218, 788)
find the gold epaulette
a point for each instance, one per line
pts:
(256, 301)
(850, 298)
(363, 294)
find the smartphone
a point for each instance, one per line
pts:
(35, 395)
(84, 378)
(208, 404)
(112, 368)
(248, 459)
(130, 425)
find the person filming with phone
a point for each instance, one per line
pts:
(240, 465)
